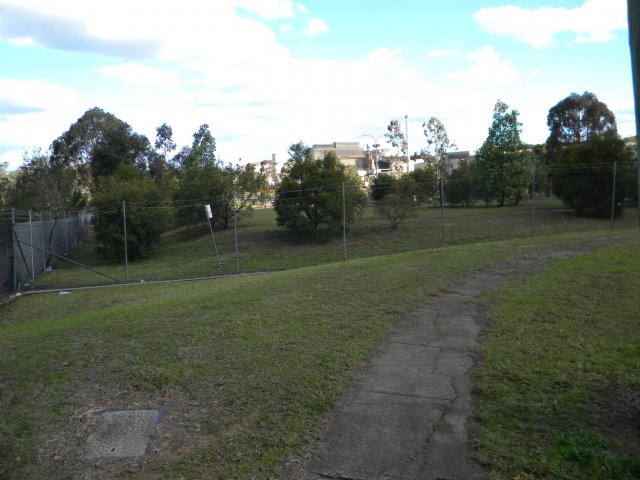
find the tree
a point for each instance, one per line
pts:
(238, 190)
(164, 140)
(395, 137)
(43, 186)
(438, 143)
(198, 185)
(459, 185)
(145, 221)
(200, 177)
(203, 148)
(382, 185)
(426, 179)
(74, 148)
(6, 187)
(400, 202)
(576, 119)
(229, 190)
(120, 145)
(438, 146)
(501, 164)
(583, 175)
(309, 198)
(164, 144)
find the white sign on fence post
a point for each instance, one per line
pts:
(207, 209)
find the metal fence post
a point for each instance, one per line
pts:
(126, 253)
(442, 201)
(66, 235)
(235, 232)
(344, 223)
(13, 249)
(533, 201)
(33, 265)
(44, 258)
(613, 194)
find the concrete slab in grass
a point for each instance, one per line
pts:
(123, 433)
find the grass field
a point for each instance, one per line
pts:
(243, 367)
(263, 246)
(560, 378)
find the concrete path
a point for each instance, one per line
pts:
(409, 415)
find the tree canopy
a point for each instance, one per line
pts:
(575, 119)
(309, 198)
(501, 164)
(396, 137)
(583, 175)
(438, 143)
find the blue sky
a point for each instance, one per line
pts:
(267, 73)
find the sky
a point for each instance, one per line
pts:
(264, 74)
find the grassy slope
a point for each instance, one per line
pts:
(244, 367)
(263, 246)
(559, 380)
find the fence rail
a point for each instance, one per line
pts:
(30, 241)
(60, 253)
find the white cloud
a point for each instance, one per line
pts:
(487, 71)
(316, 26)
(441, 53)
(268, 9)
(33, 110)
(593, 21)
(301, 8)
(141, 75)
(21, 41)
(234, 75)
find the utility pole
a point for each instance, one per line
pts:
(376, 145)
(633, 10)
(406, 143)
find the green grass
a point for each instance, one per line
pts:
(263, 246)
(243, 367)
(559, 378)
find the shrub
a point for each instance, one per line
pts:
(583, 175)
(400, 202)
(309, 198)
(145, 225)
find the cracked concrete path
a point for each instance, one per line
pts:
(409, 418)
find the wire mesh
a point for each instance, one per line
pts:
(61, 251)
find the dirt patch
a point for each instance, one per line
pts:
(63, 453)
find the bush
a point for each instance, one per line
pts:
(309, 198)
(400, 202)
(427, 186)
(381, 186)
(458, 189)
(145, 225)
(583, 176)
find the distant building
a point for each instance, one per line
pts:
(453, 160)
(349, 153)
(632, 144)
(269, 169)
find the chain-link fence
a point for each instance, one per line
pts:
(301, 228)
(30, 243)
(6, 232)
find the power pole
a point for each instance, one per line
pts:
(633, 10)
(406, 143)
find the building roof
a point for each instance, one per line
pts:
(341, 149)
